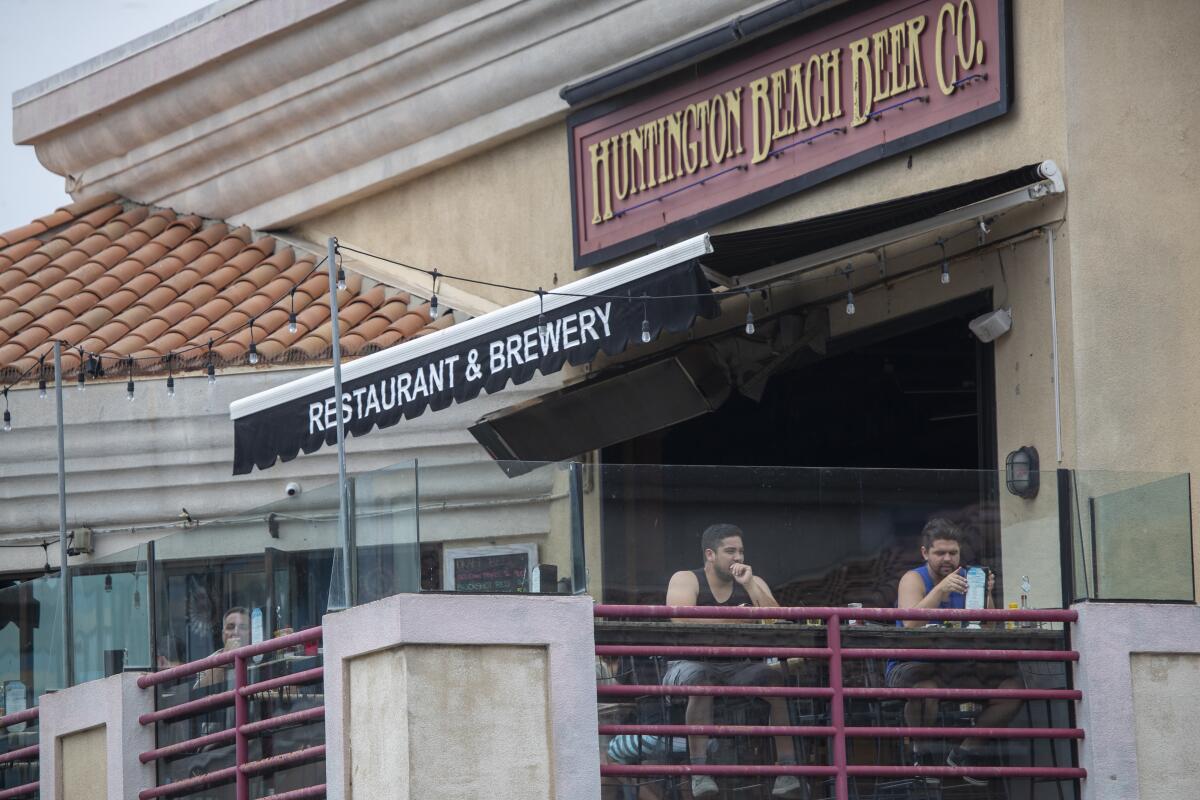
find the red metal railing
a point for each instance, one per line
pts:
(243, 729)
(29, 753)
(836, 693)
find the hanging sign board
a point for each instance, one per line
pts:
(753, 128)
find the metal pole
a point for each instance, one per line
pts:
(64, 570)
(343, 515)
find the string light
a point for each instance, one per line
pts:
(170, 375)
(42, 377)
(129, 383)
(542, 327)
(749, 315)
(433, 303)
(945, 262)
(645, 322)
(212, 372)
(292, 316)
(850, 303)
(81, 379)
(252, 357)
(7, 413)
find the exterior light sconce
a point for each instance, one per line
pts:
(1021, 472)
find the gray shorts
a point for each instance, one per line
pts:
(742, 672)
(954, 674)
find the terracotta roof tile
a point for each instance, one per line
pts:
(121, 280)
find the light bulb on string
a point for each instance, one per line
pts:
(170, 386)
(645, 322)
(749, 315)
(170, 374)
(292, 327)
(7, 413)
(433, 301)
(42, 388)
(341, 273)
(542, 326)
(81, 379)
(129, 383)
(850, 303)
(42, 377)
(210, 369)
(945, 262)
(252, 356)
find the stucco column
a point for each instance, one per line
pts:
(470, 696)
(1139, 671)
(89, 737)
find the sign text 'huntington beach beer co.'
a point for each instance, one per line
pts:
(772, 119)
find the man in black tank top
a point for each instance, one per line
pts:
(726, 580)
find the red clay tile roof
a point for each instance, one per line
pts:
(120, 280)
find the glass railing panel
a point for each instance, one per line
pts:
(819, 536)
(385, 532)
(31, 664)
(244, 579)
(1132, 536)
(500, 527)
(111, 599)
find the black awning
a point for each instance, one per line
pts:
(603, 312)
(745, 252)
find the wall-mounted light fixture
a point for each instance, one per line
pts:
(1021, 472)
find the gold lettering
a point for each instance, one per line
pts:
(861, 85)
(781, 118)
(600, 183)
(716, 114)
(972, 53)
(899, 82)
(664, 167)
(702, 132)
(879, 64)
(649, 134)
(915, 71)
(620, 170)
(812, 111)
(797, 97)
(675, 145)
(637, 163)
(760, 106)
(939, 42)
(733, 107)
(690, 158)
(831, 84)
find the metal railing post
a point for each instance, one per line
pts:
(64, 569)
(837, 707)
(241, 716)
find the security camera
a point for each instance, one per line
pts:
(292, 489)
(992, 325)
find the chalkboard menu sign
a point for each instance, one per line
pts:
(498, 569)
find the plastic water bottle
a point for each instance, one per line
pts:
(976, 587)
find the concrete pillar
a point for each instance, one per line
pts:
(89, 738)
(467, 696)
(1139, 671)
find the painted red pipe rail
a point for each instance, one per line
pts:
(19, 791)
(243, 728)
(29, 753)
(840, 770)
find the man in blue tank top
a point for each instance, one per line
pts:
(726, 580)
(941, 583)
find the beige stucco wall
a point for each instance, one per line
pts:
(438, 720)
(1166, 763)
(1133, 113)
(503, 216)
(84, 760)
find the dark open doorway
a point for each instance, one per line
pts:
(898, 417)
(916, 393)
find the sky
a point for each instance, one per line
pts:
(40, 38)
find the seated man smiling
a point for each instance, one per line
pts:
(940, 583)
(726, 580)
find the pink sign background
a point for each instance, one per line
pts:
(680, 206)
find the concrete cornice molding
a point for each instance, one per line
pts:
(273, 111)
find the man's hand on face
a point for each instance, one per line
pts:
(954, 582)
(742, 573)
